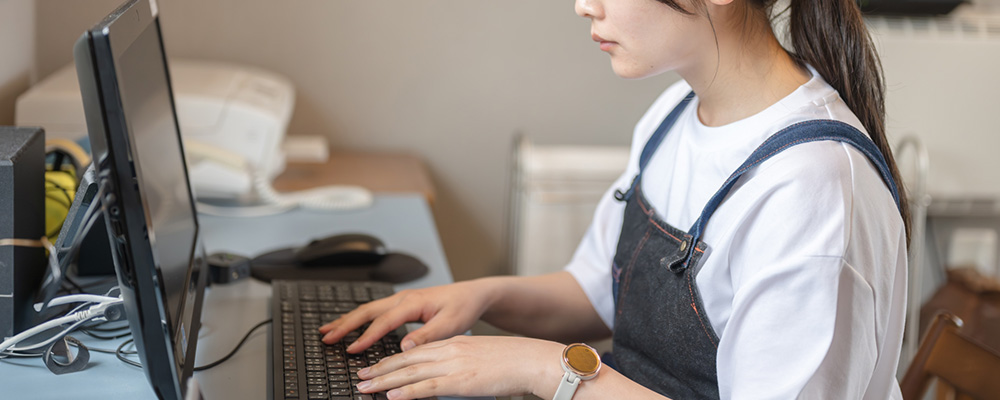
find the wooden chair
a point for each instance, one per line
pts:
(965, 369)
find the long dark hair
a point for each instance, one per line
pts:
(831, 36)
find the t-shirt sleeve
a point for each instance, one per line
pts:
(803, 318)
(591, 263)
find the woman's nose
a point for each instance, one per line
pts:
(589, 9)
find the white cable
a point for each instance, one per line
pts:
(77, 318)
(340, 197)
(113, 288)
(326, 198)
(76, 298)
(254, 211)
(36, 330)
(49, 341)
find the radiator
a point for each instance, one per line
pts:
(555, 190)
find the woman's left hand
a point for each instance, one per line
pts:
(467, 366)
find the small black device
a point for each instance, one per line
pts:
(22, 216)
(227, 267)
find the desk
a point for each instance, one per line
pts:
(403, 222)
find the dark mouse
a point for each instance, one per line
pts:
(341, 250)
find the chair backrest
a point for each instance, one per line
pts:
(963, 366)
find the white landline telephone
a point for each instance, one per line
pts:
(232, 119)
(261, 199)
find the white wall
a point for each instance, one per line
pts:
(448, 80)
(942, 81)
(17, 52)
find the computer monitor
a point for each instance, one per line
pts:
(148, 205)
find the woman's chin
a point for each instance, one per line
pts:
(632, 71)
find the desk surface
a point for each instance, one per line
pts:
(378, 172)
(403, 222)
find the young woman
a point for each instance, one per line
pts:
(754, 248)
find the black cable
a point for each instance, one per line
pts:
(103, 337)
(73, 283)
(231, 353)
(100, 350)
(98, 327)
(121, 355)
(101, 282)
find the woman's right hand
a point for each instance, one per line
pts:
(446, 311)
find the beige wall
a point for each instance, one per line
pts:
(17, 49)
(449, 80)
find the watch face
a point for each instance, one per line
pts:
(583, 360)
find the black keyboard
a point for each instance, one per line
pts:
(303, 367)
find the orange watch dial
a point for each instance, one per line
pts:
(582, 359)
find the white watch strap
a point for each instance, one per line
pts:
(567, 386)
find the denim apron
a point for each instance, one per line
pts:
(662, 338)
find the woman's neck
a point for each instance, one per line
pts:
(744, 78)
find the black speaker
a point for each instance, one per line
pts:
(22, 216)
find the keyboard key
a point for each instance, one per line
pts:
(316, 381)
(361, 294)
(291, 394)
(339, 385)
(357, 363)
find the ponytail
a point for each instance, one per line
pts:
(831, 36)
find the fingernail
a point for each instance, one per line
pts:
(363, 373)
(394, 394)
(408, 344)
(326, 339)
(364, 385)
(351, 346)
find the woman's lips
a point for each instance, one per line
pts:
(606, 45)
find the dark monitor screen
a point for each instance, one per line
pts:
(148, 205)
(156, 153)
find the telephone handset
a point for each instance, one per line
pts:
(228, 168)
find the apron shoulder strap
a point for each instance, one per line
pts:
(802, 132)
(654, 142)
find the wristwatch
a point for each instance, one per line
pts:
(581, 363)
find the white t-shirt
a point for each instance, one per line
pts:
(805, 276)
